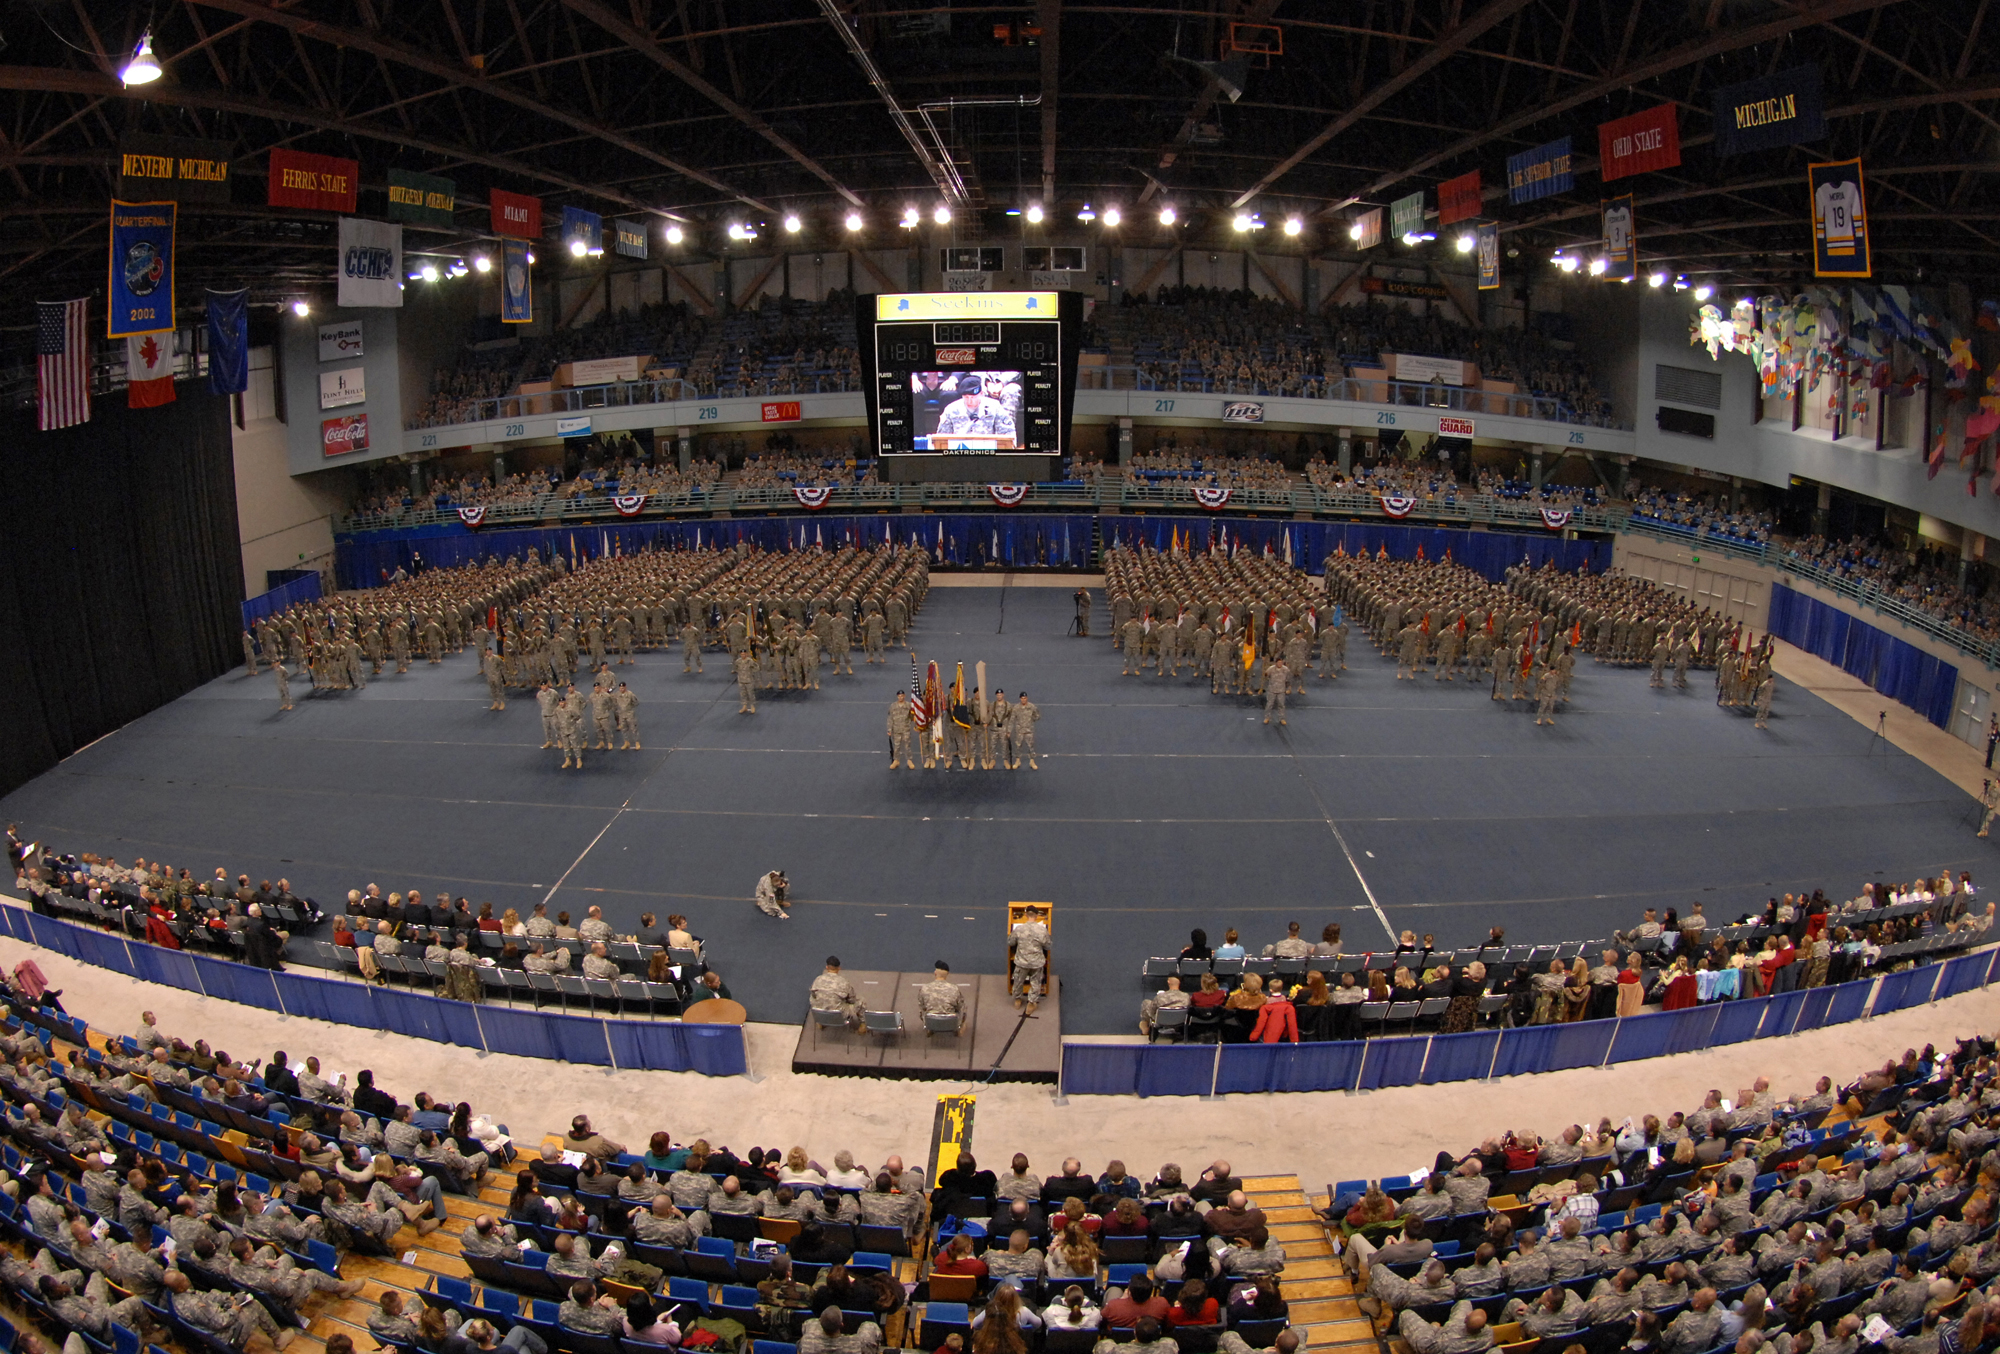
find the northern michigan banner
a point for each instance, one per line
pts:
(174, 167)
(325, 183)
(1487, 238)
(371, 263)
(1621, 241)
(1541, 172)
(584, 228)
(141, 286)
(1458, 199)
(516, 214)
(1840, 219)
(1406, 215)
(628, 237)
(517, 294)
(421, 199)
(1777, 110)
(1639, 144)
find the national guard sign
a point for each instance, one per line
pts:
(1840, 219)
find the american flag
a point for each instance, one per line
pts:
(62, 364)
(919, 715)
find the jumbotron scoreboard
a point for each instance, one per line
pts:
(970, 373)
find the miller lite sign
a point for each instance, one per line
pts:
(1243, 411)
(339, 436)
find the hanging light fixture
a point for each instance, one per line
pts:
(142, 69)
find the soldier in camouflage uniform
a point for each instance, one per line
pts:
(941, 996)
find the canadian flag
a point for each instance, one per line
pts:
(149, 364)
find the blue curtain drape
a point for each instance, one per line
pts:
(1288, 1067)
(1925, 683)
(1460, 1057)
(1395, 1061)
(1177, 1069)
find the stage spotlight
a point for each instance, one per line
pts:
(942, 215)
(854, 220)
(1034, 213)
(1293, 225)
(674, 235)
(1167, 217)
(1112, 216)
(301, 309)
(482, 263)
(792, 224)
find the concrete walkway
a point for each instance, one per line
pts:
(1906, 730)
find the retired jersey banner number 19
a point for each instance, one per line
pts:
(1840, 220)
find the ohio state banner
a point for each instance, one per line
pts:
(1640, 143)
(1840, 219)
(1621, 239)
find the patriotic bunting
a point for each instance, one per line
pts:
(628, 505)
(814, 496)
(472, 517)
(1211, 496)
(1398, 505)
(1557, 518)
(1008, 495)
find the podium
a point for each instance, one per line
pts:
(1044, 913)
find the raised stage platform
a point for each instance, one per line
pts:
(1027, 1049)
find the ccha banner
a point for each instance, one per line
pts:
(1840, 219)
(173, 167)
(1621, 240)
(1406, 215)
(1777, 110)
(371, 263)
(1458, 199)
(517, 295)
(142, 269)
(1487, 238)
(1541, 172)
(580, 227)
(422, 199)
(324, 183)
(1640, 143)
(1366, 232)
(229, 342)
(628, 237)
(516, 214)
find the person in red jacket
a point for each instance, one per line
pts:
(1277, 1020)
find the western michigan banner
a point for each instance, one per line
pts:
(1621, 240)
(1541, 172)
(1778, 110)
(1640, 143)
(173, 167)
(421, 199)
(1458, 199)
(371, 263)
(517, 293)
(141, 287)
(1406, 215)
(628, 237)
(1487, 236)
(1840, 219)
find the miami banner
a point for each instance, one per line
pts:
(1541, 172)
(1621, 242)
(517, 295)
(516, 214)
(1840, 219)
(141, 286)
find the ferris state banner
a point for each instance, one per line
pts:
(141, 285)
(1840, 219)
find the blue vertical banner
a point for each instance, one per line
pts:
(229, 342)
(582, 232)
(1541, 172)
(1840, 220)
(628, 237)
(517, 295)
(141, 284)
(1486, 236)
(1621, 240)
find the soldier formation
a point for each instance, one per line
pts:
(996, 732)
(1250, 625)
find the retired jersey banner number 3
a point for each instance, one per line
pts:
(142, 269)
(1840, 220)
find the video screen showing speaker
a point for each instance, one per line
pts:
(970, 373)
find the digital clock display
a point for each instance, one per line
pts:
(985, 331)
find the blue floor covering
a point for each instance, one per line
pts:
(1158, 807)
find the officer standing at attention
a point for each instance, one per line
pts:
(1022, 728)
(545, 696)
(690, 647)
(1277, 681)
(1083, 613)
(941, 996)
(626, 705)
(901, 726)
(746, 683)
(284, 684)
(1989, 798)
(490, 666)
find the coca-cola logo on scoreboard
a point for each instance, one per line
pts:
(339, 436)
(957, 357)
